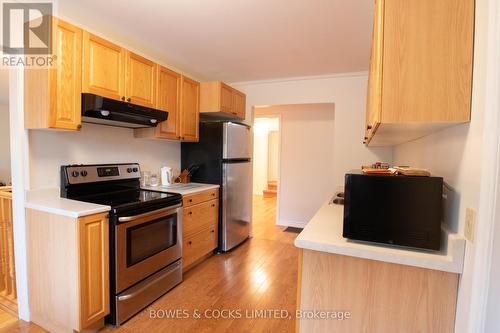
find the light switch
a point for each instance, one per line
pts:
(470, 224)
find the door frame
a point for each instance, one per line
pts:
(487, 242)
(279, 117)
(19, 150)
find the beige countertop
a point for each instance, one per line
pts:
(324, 233)
(49, 200)
(183, 189)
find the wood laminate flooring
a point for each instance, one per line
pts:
(228, 290)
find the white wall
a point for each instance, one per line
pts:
(261, 129)
(4, 144)
(95, 144)
(273, 153)
(306, 159)
(347, 92)
(455, 154)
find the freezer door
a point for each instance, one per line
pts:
(236, 204)
(236, 141)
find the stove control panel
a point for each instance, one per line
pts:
(81, 174)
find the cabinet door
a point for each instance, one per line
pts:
(66, 77)
(103, 67)
(141, 80)
(239, 101)
(197, 245)
(169, 84)
(374, 97)
(226, 98)
(94, 268)
(190, 109)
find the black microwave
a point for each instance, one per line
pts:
(398, 210)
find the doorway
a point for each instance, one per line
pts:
(8, 292)
(266, 154)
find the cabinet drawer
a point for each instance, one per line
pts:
(195, 217)
(198, 245)
(193, 199)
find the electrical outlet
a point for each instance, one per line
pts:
(470, 224)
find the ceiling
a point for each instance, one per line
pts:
(237, 40)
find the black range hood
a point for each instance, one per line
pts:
(106, 111)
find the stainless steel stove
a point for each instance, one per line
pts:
(145, 233)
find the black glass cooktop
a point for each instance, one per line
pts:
(131, 198)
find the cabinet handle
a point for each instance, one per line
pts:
(123, 98)
(129, 99)
(368, 127)
(235, 113)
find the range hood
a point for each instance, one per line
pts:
(106, 111)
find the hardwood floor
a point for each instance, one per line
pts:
(260, 274)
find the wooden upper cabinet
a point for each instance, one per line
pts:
(421, 68)
(190, 109)
(103, 67)
(239, 103)
(226, 98)
(94, 268)
(141, 80)
(52, 97)
(375, 78)
(218, 100)
(169, 85)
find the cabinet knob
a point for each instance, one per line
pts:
(366, 138)
(128, 99)
(190, 213)
(123, 98)
(190, 200)
(368, 127)
(190, 242)
(212, 230)
(213, 194)
(213, 205)
(79, 126)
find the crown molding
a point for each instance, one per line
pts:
(302, 78)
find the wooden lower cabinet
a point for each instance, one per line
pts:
(380, 297)
(68, 271)
(200, 227)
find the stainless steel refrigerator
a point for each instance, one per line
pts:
(223, 155)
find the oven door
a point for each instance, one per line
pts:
(146, 243)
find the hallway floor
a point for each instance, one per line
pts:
(260, 274)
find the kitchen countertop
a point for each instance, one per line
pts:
(183, 189)
(324, 233)
(50, 201)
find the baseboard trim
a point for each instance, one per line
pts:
(290, 223)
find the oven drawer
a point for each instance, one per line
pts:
(193, 199)
(197, 216)
(200, 244)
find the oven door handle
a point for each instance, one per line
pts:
(145, 215)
